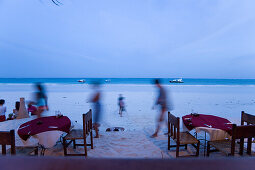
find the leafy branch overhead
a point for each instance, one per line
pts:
(56, 2)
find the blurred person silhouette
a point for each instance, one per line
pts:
(121, 104)
(16, 110)
(2, 110)
(17, 105)
(96, 100)
(41, 99)
(162, 103)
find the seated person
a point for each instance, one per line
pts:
(31, 109)
(17, 105)
(2, 110)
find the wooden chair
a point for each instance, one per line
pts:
(77, 134)
(180, 138)
(230, 146)
(8, 138)
(247, 119)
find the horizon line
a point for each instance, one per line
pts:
(117, 78)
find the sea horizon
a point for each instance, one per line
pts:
(165, 81)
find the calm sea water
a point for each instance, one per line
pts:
(187, 81)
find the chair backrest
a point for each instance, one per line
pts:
(242, 132)
(173, 126)
(7, 138)
(87, 122)
(247, 118)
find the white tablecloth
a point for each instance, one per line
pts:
(47, 139)
(215, 134)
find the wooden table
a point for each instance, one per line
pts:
(217, 127)
(46, 129)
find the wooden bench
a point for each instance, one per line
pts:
(8, 138)
(229, 147)
(180, 138)
(78, 134)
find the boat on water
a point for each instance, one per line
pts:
(81, 81)
(177, 81)
(107, 80)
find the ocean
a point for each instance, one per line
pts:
(187, 81)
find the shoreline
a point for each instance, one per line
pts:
(128, 84)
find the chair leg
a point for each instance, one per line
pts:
(42, 151)
(241, 146)
(74, 144)
(91, 139)
(198, 146)
(208, 149)
(177, 150)
(64, 145)
(249, 146)
(169, 142)
(36, 151)
(85, 146)
(4, 150)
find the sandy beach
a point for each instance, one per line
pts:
(139, 120)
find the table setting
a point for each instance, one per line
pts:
(44, 131)
(218, 128)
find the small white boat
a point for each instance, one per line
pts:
(81, 81)
(176, 81)
(107, 80)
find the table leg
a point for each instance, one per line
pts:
(202, 139)
(201, 144)
(42, 149)
(205, 144)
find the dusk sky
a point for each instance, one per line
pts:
(127, 38)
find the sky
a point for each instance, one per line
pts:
(127, 38)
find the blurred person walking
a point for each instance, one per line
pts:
(41, 99)
(162, 103)
(96, 100)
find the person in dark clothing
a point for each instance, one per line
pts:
(162, 102)
(121, 104)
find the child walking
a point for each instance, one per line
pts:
(121, 104)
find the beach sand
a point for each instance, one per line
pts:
(139, 120)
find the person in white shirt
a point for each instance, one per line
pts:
(2, 110)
